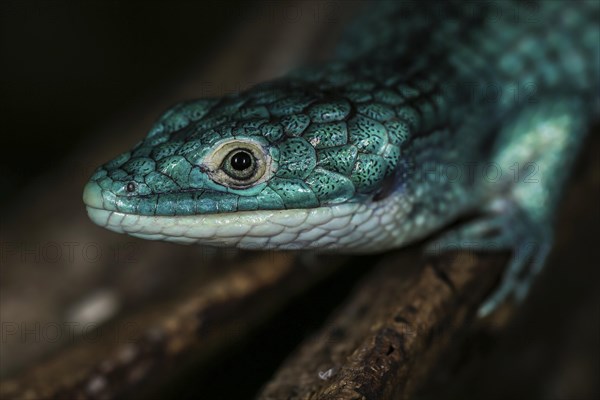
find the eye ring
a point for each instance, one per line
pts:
(238, 163)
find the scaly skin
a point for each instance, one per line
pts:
(355, 154)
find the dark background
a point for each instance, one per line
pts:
(68, 66)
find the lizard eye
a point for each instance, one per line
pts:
(238, 164)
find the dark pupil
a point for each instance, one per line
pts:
(241, 161)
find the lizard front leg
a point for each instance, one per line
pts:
(535, 153)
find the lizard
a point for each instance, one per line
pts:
(428, 112)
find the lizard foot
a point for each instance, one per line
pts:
(504, 227)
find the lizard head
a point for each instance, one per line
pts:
(273, 167)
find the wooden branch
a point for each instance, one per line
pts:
(380, 344)
(191, 330)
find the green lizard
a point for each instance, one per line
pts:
(429, 112)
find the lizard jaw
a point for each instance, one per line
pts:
(354, 227)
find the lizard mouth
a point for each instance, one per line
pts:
(355, 227)
(331, 227)
(327, 227)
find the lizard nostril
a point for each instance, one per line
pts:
(131, 187)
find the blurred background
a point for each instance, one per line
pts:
(68, 67)
(80, 82)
